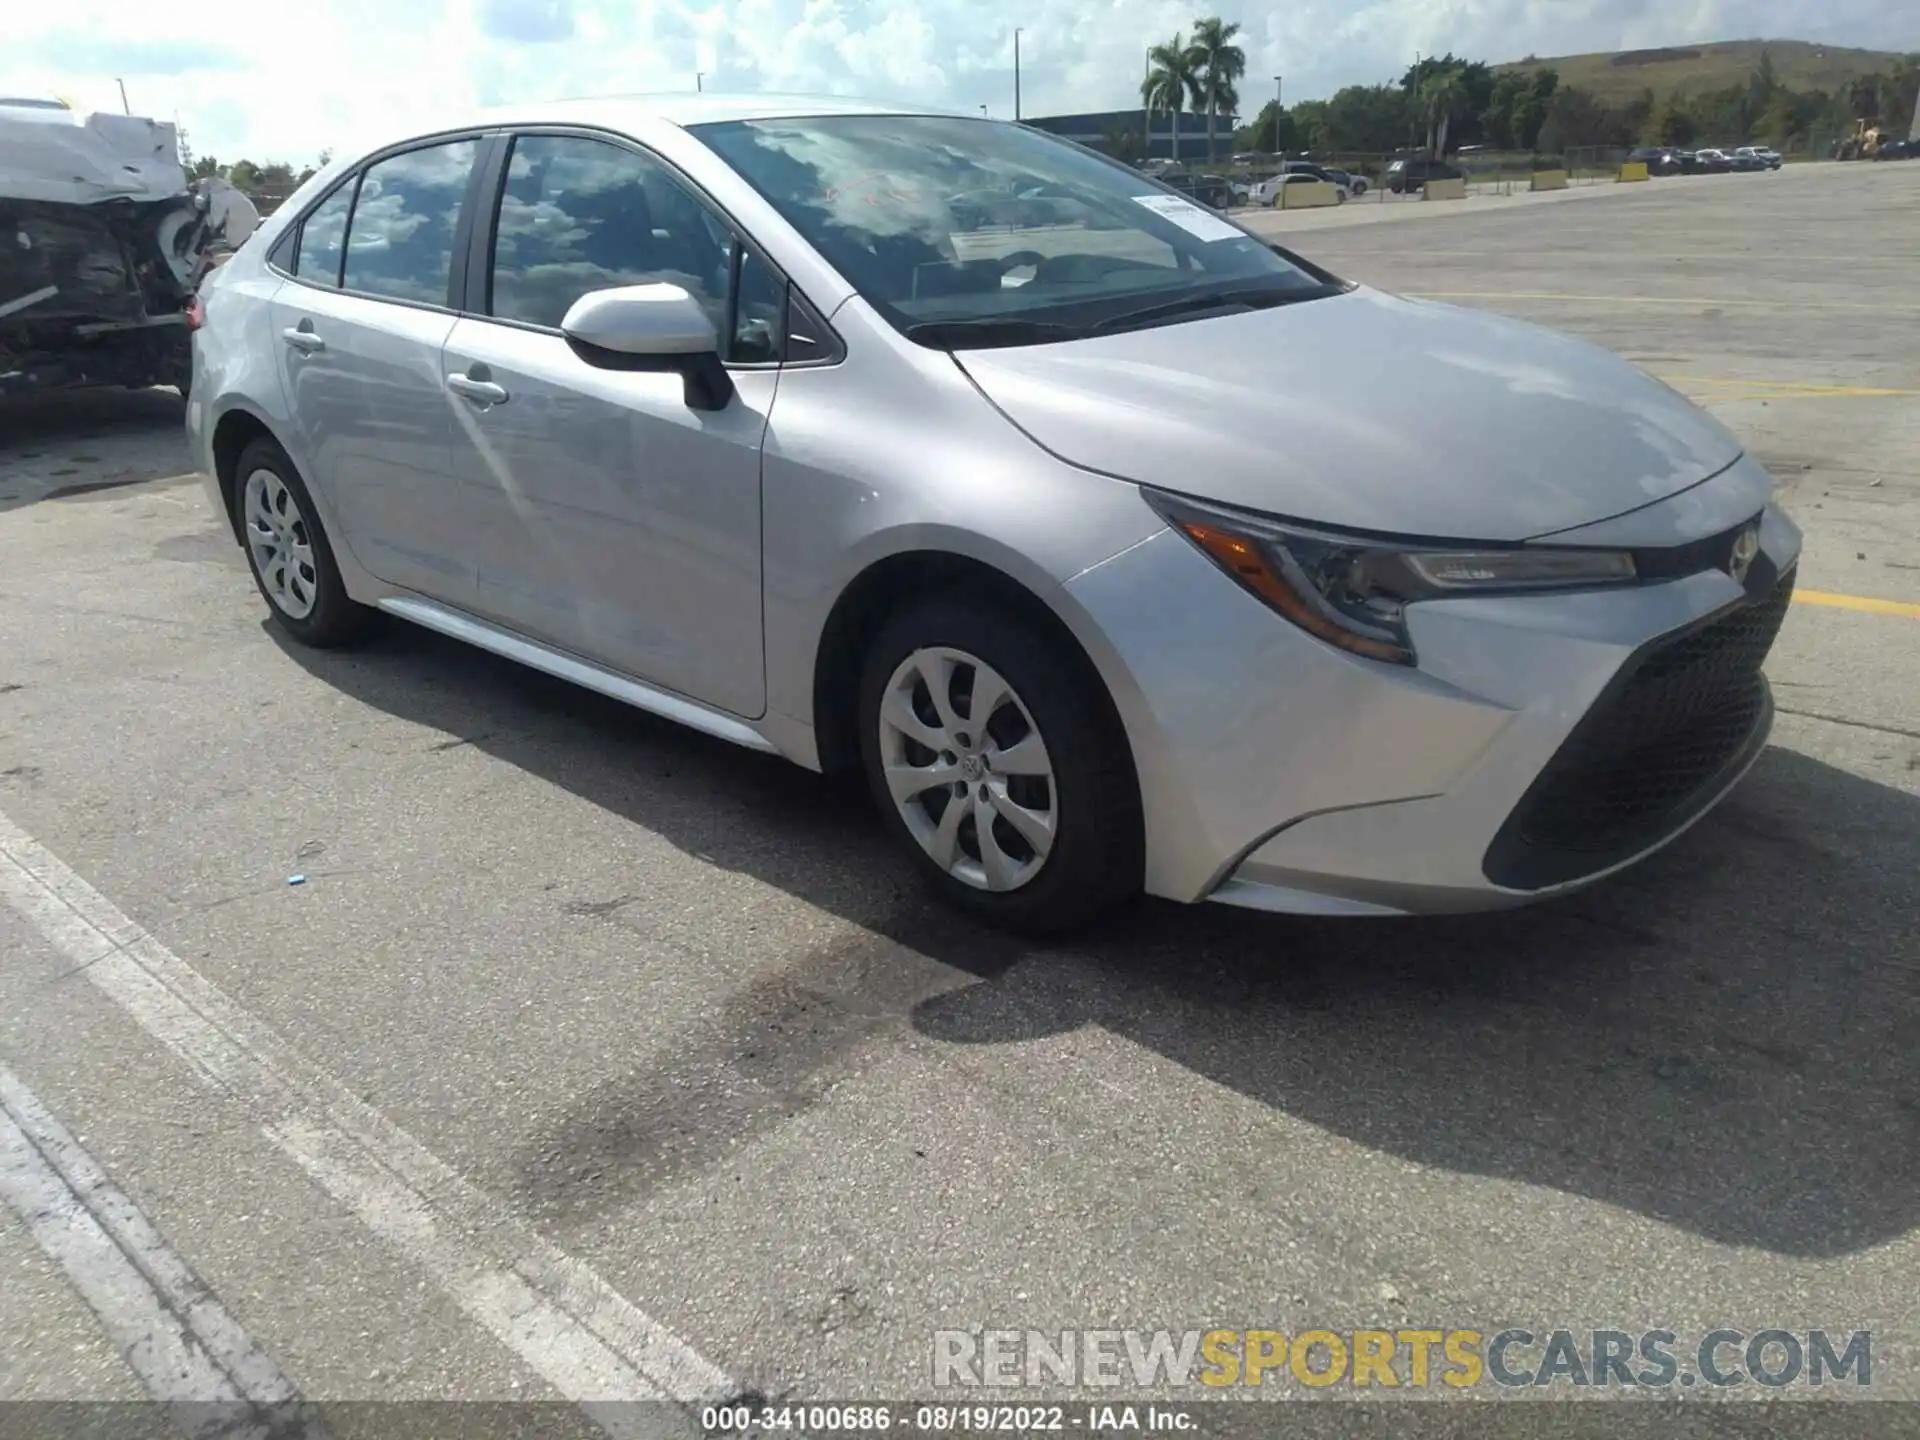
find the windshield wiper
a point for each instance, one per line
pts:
(988, 332)
(1217, 300)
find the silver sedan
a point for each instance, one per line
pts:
(1121, 549)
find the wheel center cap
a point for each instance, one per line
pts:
(972, 766)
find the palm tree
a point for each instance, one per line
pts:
(1171, 82)
(1218, 62)
(1442, 96)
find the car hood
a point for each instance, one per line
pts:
(1365, 411)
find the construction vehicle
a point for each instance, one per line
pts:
(1863, 144)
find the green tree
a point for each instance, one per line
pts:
(1311, 128)
(1218, 64)
(1442, 96)
(1576, 119)
(1273, 129)
(204, 168)
(1496, 121)
(1673, 125)
(244, 174)
(1477, 82)
(1863, 95)
(1365, 118)
(1172, 82)
(1530, 108)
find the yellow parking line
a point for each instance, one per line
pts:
(1856, 602)
(1712, 302)
(1722, 397)
(1763, 389)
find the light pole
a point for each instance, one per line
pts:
(1276, 114)
(1016, 75)
(983, 111)
(123, 96)
(700, 80)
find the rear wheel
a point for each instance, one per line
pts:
(292, 562)
(995, 757)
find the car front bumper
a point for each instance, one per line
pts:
(1521, 758)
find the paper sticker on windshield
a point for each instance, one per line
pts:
(1190, 217)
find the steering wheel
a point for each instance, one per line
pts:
(1020, 259)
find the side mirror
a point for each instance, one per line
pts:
(660, 329)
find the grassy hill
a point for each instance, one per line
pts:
(1619, 76)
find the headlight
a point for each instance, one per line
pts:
(1352, 591)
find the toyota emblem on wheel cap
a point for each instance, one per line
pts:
(1746, 545)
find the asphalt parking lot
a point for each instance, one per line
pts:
(577, 1015)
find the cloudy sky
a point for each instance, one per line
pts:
(280, 79)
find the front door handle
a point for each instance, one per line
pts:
(305, 341)
(484, 392)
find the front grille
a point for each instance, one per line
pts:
(1683, 714)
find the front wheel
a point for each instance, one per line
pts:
(996, 758)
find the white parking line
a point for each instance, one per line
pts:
(167, 1325)
(554, 1312)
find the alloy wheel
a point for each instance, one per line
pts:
(281, 544)
(967, 768)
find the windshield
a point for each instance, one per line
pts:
(948, 226)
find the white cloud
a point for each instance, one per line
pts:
(282, 79)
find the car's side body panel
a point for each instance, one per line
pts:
(851, 480)
(610, 519)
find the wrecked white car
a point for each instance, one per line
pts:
(103, 244)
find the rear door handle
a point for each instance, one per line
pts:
(484, 392)
(305, 341)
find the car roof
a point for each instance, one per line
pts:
(617, 112)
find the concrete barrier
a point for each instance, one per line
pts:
(1444, 190)
(1633, 170)
(1313, 196)
(1549, 180)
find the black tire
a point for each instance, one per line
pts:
(1096, 859)
(335, 619)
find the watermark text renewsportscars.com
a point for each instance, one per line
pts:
(1452, 1359)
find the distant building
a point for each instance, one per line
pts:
(1121, 132)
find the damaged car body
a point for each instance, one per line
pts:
(103, 244)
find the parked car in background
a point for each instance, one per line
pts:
(1659, 159)
(707, 403)
(1409, 173)
(1318, 171)
(1713, 162)
(104, 240)
(1213, 191)
(1355, 184)
(1268, 192)
(1755, 157)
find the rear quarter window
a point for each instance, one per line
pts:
(319, 246)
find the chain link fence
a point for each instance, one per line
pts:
(1486, 172)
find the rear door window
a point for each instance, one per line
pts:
(400, 242)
